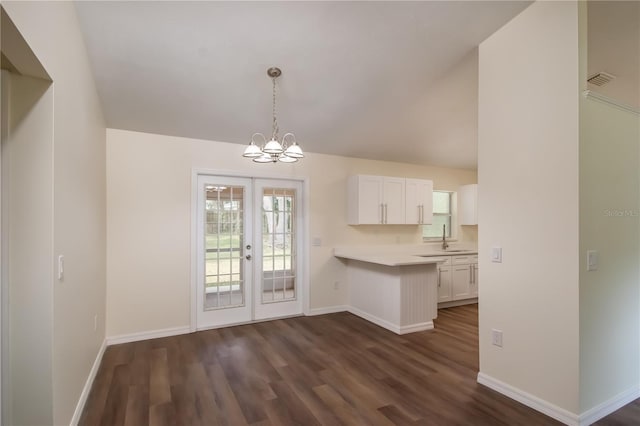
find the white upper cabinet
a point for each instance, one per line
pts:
(419, 201)
(375, 200)
(364, 200)
(389, 200)
(393, 198)
(468, 204)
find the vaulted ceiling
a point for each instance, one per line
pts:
(382, 80)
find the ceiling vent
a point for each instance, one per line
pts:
(601, 78)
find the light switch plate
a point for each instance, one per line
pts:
(60, 268)
(496, 337)
(496, 254)
(592, 260)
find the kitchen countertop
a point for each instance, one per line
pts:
(389, 258)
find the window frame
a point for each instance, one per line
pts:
(452, 218)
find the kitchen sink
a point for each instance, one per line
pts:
(453, 251)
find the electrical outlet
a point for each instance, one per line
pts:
(496, 337)
(336, 285)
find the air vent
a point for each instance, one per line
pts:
(601, 78)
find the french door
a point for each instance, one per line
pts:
(248, 250)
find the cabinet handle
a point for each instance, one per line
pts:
(419, 214)
(470, 274)
(386, 217)
(439, 271)
(381, 213)
(422, 214)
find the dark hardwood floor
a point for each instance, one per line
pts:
(627, 415)
(331, 370)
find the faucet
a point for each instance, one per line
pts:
(444, 237)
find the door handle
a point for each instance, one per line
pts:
(248, 246)
(248, 257)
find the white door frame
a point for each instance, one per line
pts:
(304, 228)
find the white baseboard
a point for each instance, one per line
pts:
(405, 329)
(529, 400)
(327, 310)
(602, 410)
(145, 335)
(374, 319)
(88, 384)
(390, 326)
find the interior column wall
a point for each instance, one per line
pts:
(52, 32)
(528, 206)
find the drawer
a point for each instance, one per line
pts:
(443, 261)
(464, 259)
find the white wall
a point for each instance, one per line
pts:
(27, 202)
(149, 216)
(528, 202)
(52, 31)
(610, 224)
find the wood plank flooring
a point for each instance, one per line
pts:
(332, 369)
(627, 415)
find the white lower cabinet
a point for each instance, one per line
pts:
(458, 278)
(461, 288)
(444, 283)
(474, 278)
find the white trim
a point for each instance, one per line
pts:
(145, 335)
(590, 94)
(306, 203)
(327, 310)
(194, 253)
(389, 326)
(602, 410)
(406, 329)
(88, 385)
(529, 400)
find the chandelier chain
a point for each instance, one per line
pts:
(275, 129)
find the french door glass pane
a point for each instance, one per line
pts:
(224, 281)
(278, 247)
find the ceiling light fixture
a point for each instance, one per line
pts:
(273, 151)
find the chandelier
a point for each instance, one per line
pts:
(286, 151)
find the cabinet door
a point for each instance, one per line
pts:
(461, 288)
(419, 201)
(394, 201)
(444, 284)
(474, 280)
(468, 204)
(365, 201)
